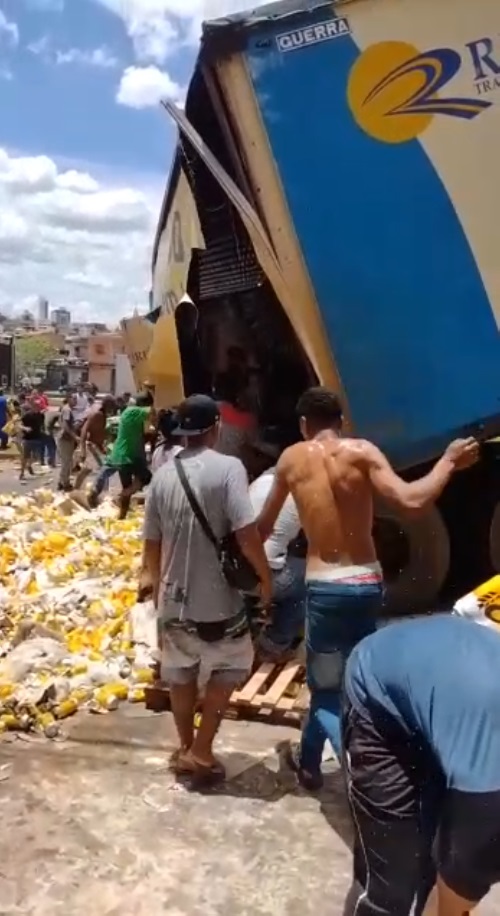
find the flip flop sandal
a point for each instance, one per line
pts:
(208, 776)
(176, 765)
(200, 775)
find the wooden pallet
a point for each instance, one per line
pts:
(275, 693)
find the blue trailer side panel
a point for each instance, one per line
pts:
(404, 303)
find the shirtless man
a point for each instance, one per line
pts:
(333, 481)
(93, 437)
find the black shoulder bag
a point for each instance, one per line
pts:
(236, 569)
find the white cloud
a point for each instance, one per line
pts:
(100, 57)
(8, 30)
(40, 47)
(95, 281)
(144, 87)
(152, 30)
(158, 27)
(81, 182)
(95, 57)
(73, 239)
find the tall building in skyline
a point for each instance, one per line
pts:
(43, 309)
(61, 317)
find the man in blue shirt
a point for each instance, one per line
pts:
(421, 734)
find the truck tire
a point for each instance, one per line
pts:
(494, 539)
(417, 561)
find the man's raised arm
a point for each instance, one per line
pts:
(417, 495)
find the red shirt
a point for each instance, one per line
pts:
(41, 401)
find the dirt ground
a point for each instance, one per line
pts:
(95, 824)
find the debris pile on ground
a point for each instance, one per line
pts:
(68, 585)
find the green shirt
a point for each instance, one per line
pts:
(129, 445)
(111, 433)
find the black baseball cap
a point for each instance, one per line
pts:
(196, 415)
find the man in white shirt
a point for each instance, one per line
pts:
(81, 407)
(285, 627)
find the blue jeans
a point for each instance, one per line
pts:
(48, 448)
(338, 616)
(288, 608)
(103, 478)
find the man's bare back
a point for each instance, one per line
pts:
(334, 500)
(333, 482)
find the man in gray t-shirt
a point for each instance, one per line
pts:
(202, 622)
(192, 587)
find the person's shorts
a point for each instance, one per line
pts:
(139, 470)
(31, 448)
(185, 657)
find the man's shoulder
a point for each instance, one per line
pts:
(219, 460)
(292, 454)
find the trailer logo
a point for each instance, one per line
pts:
(313, 34)
(393, 90)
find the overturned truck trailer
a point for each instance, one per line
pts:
(334, 184)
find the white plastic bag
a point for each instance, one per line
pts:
(482, 605)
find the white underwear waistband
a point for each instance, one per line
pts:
(356, 574)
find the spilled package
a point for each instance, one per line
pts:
(68, 589)
(482, 604)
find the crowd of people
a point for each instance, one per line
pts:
(410, 709)
(84, 434)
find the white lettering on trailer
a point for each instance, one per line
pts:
(323, 31)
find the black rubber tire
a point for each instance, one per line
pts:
(494, 539)
(417, 586)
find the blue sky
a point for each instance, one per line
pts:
(85, 148)
(69, 109)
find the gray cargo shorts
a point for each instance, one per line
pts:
(185, 658)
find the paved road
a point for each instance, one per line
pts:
(99, 826)
(9, 479)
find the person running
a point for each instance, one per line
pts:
(67, 441)
(107, 472)
(421, 733)
(129, 453)
(333, 481)
(32, 423)
(93, 438)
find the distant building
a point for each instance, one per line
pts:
(88, 328)
(61, 317)
(103, 350)
(43, 310)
